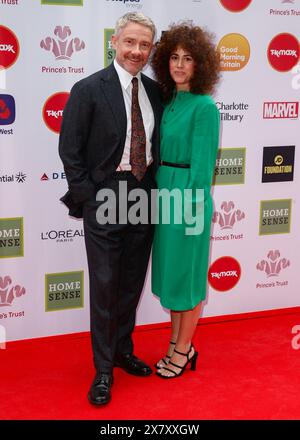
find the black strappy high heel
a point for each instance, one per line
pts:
(192, 361)
(163, 359)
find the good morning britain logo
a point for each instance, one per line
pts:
(234, 50)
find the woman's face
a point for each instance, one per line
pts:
(181, 65)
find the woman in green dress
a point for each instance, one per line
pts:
(186, 66)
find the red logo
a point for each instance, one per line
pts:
(9, 47)
(224, 273)
(235, 5)
(281, 110)
(53, 110)
(283, 52)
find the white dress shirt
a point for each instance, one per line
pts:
(147, 113)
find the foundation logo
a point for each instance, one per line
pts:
(283, 52)
(9, 47)
(230, 166)
(228, 216)
(62, 46)
(273, 265)
(7, 109)
(275, 217)
(62, 2)
(9, 292)
(278, 164)
(235, 5)
(109, 52)
(281, 110)
(234, 50)
(224, 274)
(64, 291)
(11, 237)
(53, 110)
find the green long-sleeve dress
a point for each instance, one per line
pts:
(189, 135)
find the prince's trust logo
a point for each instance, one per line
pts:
(9, 292)
(62, 46)
(273, 267)
(226, 219)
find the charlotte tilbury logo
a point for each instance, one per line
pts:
(63, 46)
(9, 292)
(273, 265)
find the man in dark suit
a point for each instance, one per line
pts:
(109, 138)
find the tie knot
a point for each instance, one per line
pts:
(134, 82)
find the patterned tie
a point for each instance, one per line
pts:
(138, 136)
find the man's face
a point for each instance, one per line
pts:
(133, 46)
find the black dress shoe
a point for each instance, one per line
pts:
(132, 365)
(99, 393)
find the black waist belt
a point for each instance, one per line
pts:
(176, 165)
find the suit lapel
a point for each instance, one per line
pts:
(113, 92)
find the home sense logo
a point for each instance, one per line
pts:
(235, 5)
(283, 52)
(11, 237)
(281, 110)
(9, 47)
(275, 217)
(109, 52)
(62, 2)
(230, 166)
(224, 274)
(64, 291)
(278, 164)
(53, 110)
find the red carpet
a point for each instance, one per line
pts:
(247, 369)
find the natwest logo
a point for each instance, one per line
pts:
(224, 273)
(9, 47)
(53, 110)
(7, 109)
(283, 52)
(8, 291)
(281, 110)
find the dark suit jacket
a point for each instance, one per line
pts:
(93, 133)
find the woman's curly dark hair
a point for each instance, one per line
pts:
(196, 41)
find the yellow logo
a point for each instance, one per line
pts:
(278, 159)
(234, 50)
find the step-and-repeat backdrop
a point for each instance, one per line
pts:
(48, 45)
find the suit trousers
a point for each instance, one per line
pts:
(118, 256)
